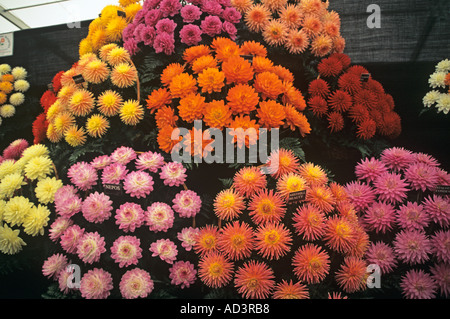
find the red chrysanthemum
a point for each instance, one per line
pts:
(330, 67)
(318, 105)
(340, 101)
(319, 87)
(335, 121)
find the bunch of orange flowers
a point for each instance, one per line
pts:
(226, 85)
(95, 90)
(282, 231)
(108, 27)
(298, 26)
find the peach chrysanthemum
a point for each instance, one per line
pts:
(249, 180)
(290, 183)
(75, 136)
(241, 5)
(236, 240)
(169, 72)
(192, 53)
(271, 114)
(309, 222)
(237, 70)
(275, 33)
(313, 6)
(311, 263)
(131, 112)
(203, 62)
(104, 50)
(211, 80)
(290, 290)
(321, 45)
(124, 75)
(62, 122)
(291, 15)
(157, 99)
(281, 162)
(339, 234)
(81, 103)
(96, 72)
(215, 270)
(274, 5)
(273, 240)
(191, 107)
(254, 279)
(352, 275)
(312, 25)
(321, 196)
(109, 103)
(266, 206)
(313, 174)
(268, 84)
(65, 93)
(228, 204)
(206, 240)
(253, 48)
(97, 125)
(165, 116)
(182, 85)
(295, 119)
(217, 114)
(242, 99)
(117, 56)
(257, 17)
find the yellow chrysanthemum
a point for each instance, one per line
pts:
(19, 73)
(131, 10)
(10, 183)
(10, 242)
(109, 12)
(125, 3)
(54, 110)
(131, 112)
(82, 102)
(114, 28)
(36, 220)
(34, 151)
(85, 59)
(97, 125)
(46, 188)
(21, 85)
(98, 38)
(75, 136)
(38, 167)
(2, 209)
(7, 110)
(124, 75)
(6, 168)
(65, 93)
(117, 56)
(109, 103)
(52, 135)
(17, 99)
(85, 46)
(62, 122)
(16, 209)
(290, 183)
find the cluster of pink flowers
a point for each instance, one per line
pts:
(154, 25)
(93, 226)
(402, 202)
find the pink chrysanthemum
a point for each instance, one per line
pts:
(379, 217)
(396, 158)
(412, 216)
(100, 162)
(126, 251)
(440, 245)
(165, 249)
(187, 203)
(129, 216)
(53, 265)
(67, 202)
(64, 278)
(123, 155)
(114, 173)
(360, 194)
(173, 174)
(412, 246)
(441, 274)
(82, 175)
(425, 159)
(421, 176)
(15, 149)
(417, 284)
(188, 237)
(391, 187)
(369, 169)
(97, 207)
(70, 238)
(438, 208)
(150, 161)
(90, 247)
(96, 284)
(58, 227)
(159, 217)
(138, 184)
(136, 283)
(381, 254)
(182, 274)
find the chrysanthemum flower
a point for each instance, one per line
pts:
(81, 102)
(117, 55)
(62, 122)
(158, 99)
(313, 174)
(215, 270)
(340, 101)
(412, 216)
(101, 161)
(150, 161)
(441, 275)
(182, 274)
(10, 183)
(96, 284)
(275, 32)
(352, 275)
(95, 72)
(330, 67)
(318, 105)
(381, 254)
(165, 116)
(282, 162)
(379, 217)
(390, 187)
(10, 242)
(360, 194)
(269, 85)
(262, 64)
(38, 167)
(273, 240)
(211, 80)
(82, 175)
(18, 98)
(397, 158)
(228, 204)
(369, 169)
(236, 240)
(97, 125)
(266, 206)
(225, 48)
(237, 70)
(440, 245)
(217, 114)
(295, 119)
(173, 174)
(114, 173)
(421, 176)
(191, 107)
(417, 284)
(74, 136)
(70, 238)
(159, 217)
(290, 183)
(188, 237)
(123, 75)
(311, 263)
(203, 62)
(15, 149)
(138, 184)
(187, 203)
(136, 283)
(97, 207)
(206, 240)
(319, 87)
(53, 265)
(290, 290)
(438, 208)
(271, 114)
(322, 197)
(131, 112)
(90, 247)
(254, 280)
(165, 249)
(283, 73)
(339, 234)
(335, 121)
(58, 227)
(182, 85)
(412, 246)
(126, 251)
(349, 82)
(309, 222)
(129, 216)
(46, 188)
(242, 99)
(257, 17)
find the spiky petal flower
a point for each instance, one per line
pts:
(412, 246)
(290, 290)
(53, 265)
(382, 254)
(440, 245)
(215, 270)
(417, 284)
(254, 279)
(438, 208)
(412, 216)
(379, 217)
(309, 222)
(339, 234)
(266, 206)
(421, 176)
(369, 169)
(311, 263)
(391, 187)
(396, 158)
(228, 204)
(248, 180)
(360, 194)
(441, 274)
(282, 162)
(352, 275)
(273, 240)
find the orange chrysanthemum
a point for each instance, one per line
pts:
(309, 222)
(75, 136)
(104, 50)
(169, 72)
(339, 234)
(164, 139)
(8, 78)
(254, 280)
(242, 99)
(366, 129)
(294, 97)
(165, 116)
(117, 56)
(290, 183)
(215, 270)
(206, 240)
(253, 48)
(318, 105)
(313, 7)
(63, 121)
(362, 243)
(313, 174)
(358, 113)
(284, 74)
(273, 240)
(281, 162)
(274, 5)
(204, 62)
(312, 25)
(194, 52)
(291, 15)
(289, 290)
(331, 29)
(321, 45)
(262, 64)
(236, 240)
(275, 33)
(97, 125)
(271, 114)
(339, 192)
(95, 72)
(228, 204)
(242, 5)
(109, 103)
(237, 70)
(211, 80)
(311, 263)
(217, 114)
(182, 85)
(269, 85)
(197, 143)
(81, 103)
(52, 135)
(249, 180)
(322, 197)
(65, 93)
(191, 107)
(352, 276)
(124, 75)
(67, 77)
(158, 98)
(257, 17)
(225, 48)
(266, 206)
(295, 120)
(6, 87)
(244, 130)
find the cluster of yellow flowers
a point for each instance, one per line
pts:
(108, 27)
(32, 175)
(13, 85)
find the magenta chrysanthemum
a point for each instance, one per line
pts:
(114, 173)
(82, 175)
(360, 194)
(369, 169)
(211, 25)
(190, 13)
(396, 158)
(391, 188)
(441, 274)
(138, 184)
(159, 217)
(417, 284)
(123, 155)
(58, 227)
(412, 246)
(182, 274)
(412, 216)
(15, 149)
(150, 161)
(188, 237)
(70, 238)
(97, 207)
(421, 176)
(187, 203)
(173, 174)
(165, 249)
(381, 254)
(100, 162)
(126, 251)
(440, 245)
(67, 202)
(136, 283)
(438, 208)
(53, 265)
(190, 34)
(129, 216)
(90, 247)
(96, 284)
(379, 217)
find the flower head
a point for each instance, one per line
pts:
(126, 251)
(396, 158)
(412, 246)
(390, 187)
(53, 265)
(273, 240)
(188, 237)
(136, 283)
(165, 249)
(352, 275)
(412, 216)
(129, 216)
(379, 217)
(187, 203)
(360, 194)
(97, 207)
(182, 274)
(215, 270)
(382, 254)
(438, 208)
(138, 184)
(266, 206)
(159, 217)
(10, 242)
(309, 222)
(70, 238)
(96, 284)
(417, 284)
(82, 175)
(254, 280)
(90, 247)
(369, 169)
(311, 263)
(46, 188)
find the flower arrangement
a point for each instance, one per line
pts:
(439, 82)
(127, 219)
(28, 182)
(283, 234)
(13, 85)
(220, 86)
(401, 199)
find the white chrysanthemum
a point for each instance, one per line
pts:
(443, 103)
(431, 98)
(4, 68)
(437, 79)
(19, 73)
(7, 110)
(443, 66)
(21, 85)
(17, 99)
